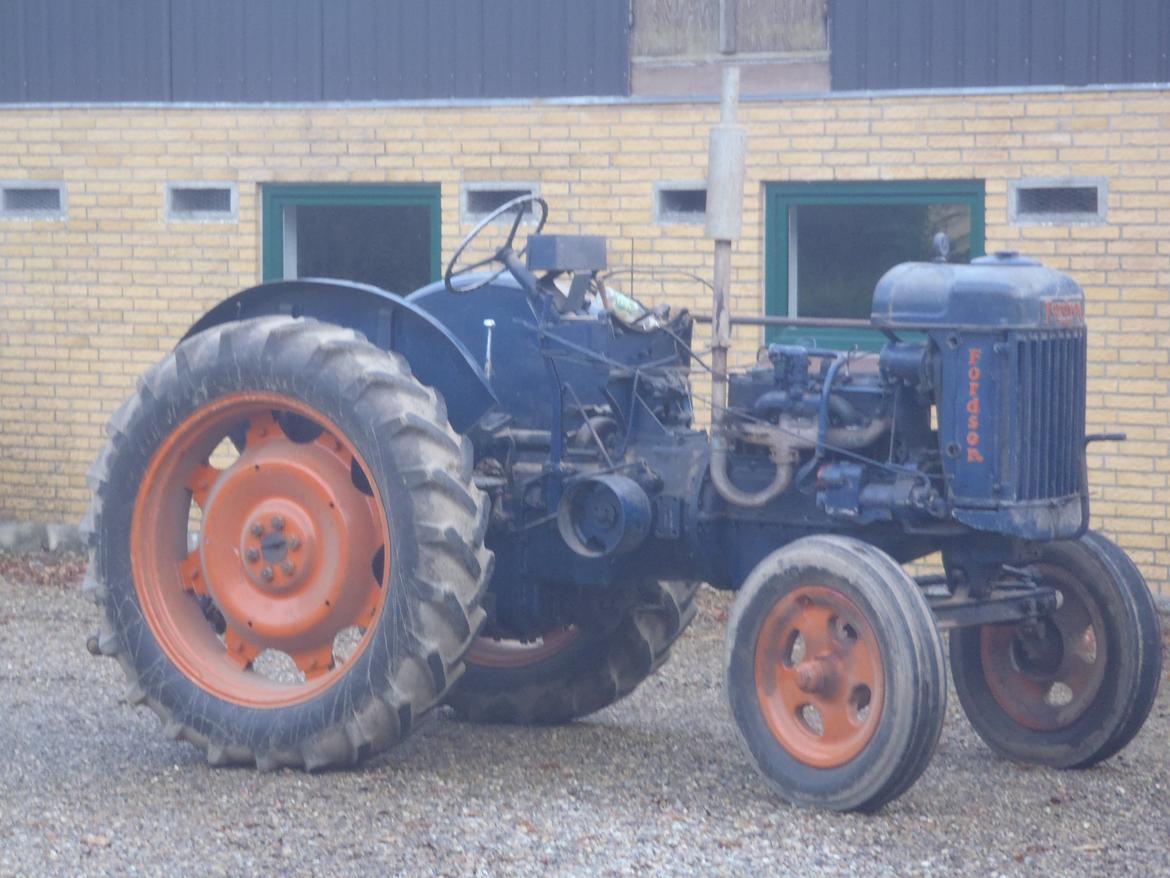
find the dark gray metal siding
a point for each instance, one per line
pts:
(311, 50)
(884, 44)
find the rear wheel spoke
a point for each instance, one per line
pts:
(262, 427)
(313, 663)
(201, 481)
(241, 651)
(192, 574)
(367, 614)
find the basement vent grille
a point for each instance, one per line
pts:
(22, 200)
(1057, 202)
(680, 203)
(480, 199)
(200, 202)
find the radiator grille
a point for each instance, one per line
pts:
(1050, 413)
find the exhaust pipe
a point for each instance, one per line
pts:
(725, 174)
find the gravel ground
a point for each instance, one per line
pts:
(653, 785)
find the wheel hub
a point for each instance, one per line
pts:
(814, 676)
(819, 676)
(279, 548)
(290, 513)
(1046, 674)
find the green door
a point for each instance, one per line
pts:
(827, 244)
(385, 235)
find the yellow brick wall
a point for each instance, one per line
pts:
(87, 303)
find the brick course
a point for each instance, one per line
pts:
(87, 303)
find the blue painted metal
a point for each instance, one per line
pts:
(1003, 290)
(436, 355)
(583, 433)
(583, 398)
(1010, 340)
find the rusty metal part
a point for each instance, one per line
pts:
(819, 676)
(491, 652)
(783, 441)
(306, 493)
(1046, 672)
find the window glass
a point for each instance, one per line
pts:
(387, 246)
(828, 244)
(843, 249)
(383, 235)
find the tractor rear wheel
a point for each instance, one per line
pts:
(572, 672)
(287, 544)
(1073, 689)
(835, 674)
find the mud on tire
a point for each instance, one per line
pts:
(415, 469)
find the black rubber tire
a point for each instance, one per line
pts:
(1132, 672)
(914, 674)
(422, 474)
(593, 671)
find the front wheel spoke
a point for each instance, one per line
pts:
(816, 626)
(787, 687)
(1076, 670)
(191, 572)
(201, 481)
(835, 721)
(240, 651)
(313, 663)
(858, 665)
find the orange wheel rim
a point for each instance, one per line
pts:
(491, 652)
(819, 676)
(293, 550)
(1045, 677)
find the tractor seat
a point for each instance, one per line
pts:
(561, 253)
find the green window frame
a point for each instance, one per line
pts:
(276, 197)
(781, 198)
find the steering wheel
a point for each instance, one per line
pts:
(501, 254)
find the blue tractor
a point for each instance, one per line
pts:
(330, 509)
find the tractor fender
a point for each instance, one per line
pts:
(436, 356)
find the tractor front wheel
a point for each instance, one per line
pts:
(835, 674)
(1072, 689)
(287, 544)
(573, 671)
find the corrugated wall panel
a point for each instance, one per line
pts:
(308, 50)
(878, 44)
(11, 51)
(261, 50)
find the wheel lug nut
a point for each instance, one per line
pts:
(277, 522)
(257, 529)
(288, 567)
(267, 573)
(294, 543)
(252, 555)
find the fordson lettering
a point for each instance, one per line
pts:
(1063, 312)
(974, 373)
